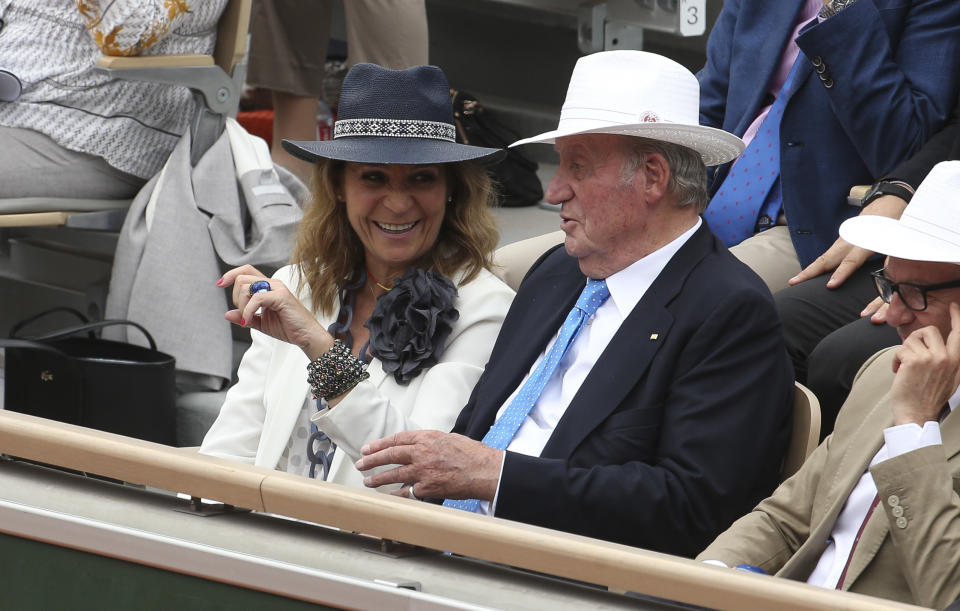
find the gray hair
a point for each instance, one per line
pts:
(688, 174)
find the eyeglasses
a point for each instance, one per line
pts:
(914, 296)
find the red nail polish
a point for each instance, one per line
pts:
(243, 322)
(220, 281)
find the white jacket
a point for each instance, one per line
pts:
(261, 410)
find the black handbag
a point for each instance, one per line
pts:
(97, 383)
(516, 174)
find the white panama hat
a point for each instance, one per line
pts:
(928, 229)
(635, 93)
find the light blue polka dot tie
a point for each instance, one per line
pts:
(503, 430)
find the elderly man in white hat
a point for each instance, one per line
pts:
(875, 509)
(639, 390)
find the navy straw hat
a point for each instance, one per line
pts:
(393, 116)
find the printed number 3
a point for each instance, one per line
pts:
(692, 16)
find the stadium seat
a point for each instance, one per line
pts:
(805, 434)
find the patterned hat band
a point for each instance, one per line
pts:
(395, 128)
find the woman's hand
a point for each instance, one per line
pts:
(277, 312)
(877, 311)
(843, 258)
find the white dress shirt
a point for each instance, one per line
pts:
(627, 287)
(898, 440)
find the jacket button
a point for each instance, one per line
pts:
(821, 69)
(893, 500)
(901, 522)
(828, 83)
(897, 511)
(817, 60)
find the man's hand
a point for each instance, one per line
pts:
(441, 465)
(927, 372)
(843, 258)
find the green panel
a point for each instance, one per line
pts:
(36, 575)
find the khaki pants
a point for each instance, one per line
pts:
(771, 255)
(289, 38)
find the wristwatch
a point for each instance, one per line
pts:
(888, 187)
(833, 7)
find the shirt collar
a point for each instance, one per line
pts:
(629, 285)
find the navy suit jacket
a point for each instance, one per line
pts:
(944, 146)
(679, 428)
(894, 71)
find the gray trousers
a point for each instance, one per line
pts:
(33, 165)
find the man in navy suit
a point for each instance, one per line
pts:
(875, 79)
(666, 417)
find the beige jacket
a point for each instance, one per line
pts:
(915, 559)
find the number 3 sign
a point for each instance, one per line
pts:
(693, 17)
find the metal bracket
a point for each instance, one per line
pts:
(196, 507)
(591, 22)
(396, 549)
(619, 24)
(216, 87)
(400, 583)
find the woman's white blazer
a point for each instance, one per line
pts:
(261, 410)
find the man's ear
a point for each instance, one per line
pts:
(657, 173)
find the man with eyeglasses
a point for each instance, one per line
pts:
(875, 509)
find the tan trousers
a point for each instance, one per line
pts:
(289, 38)
(771, 255)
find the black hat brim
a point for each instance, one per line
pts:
(379, 149)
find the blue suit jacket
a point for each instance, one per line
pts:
(671, 437)
(894, 66)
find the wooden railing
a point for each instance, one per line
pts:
(617, 567)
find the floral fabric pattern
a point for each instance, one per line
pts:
(126, 38)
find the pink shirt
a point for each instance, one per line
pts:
(810, 10)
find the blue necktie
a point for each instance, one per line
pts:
(503, 430)
(752, 188)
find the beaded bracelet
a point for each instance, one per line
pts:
(335, 372)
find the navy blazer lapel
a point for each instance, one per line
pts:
(627, 358)
(547, 299)
(777, 21)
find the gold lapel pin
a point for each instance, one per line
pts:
(654, 336)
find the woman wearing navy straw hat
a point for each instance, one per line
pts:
(386, 316)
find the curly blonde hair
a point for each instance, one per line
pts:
(328, 253)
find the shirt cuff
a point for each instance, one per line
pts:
(489, 508)
(909, 437)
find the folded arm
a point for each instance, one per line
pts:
(888, 96)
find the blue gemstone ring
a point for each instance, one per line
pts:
(260, 286)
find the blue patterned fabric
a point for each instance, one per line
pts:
(507, 425)
(752, 188)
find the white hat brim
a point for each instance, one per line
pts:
(892, 237)
(715, 146)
